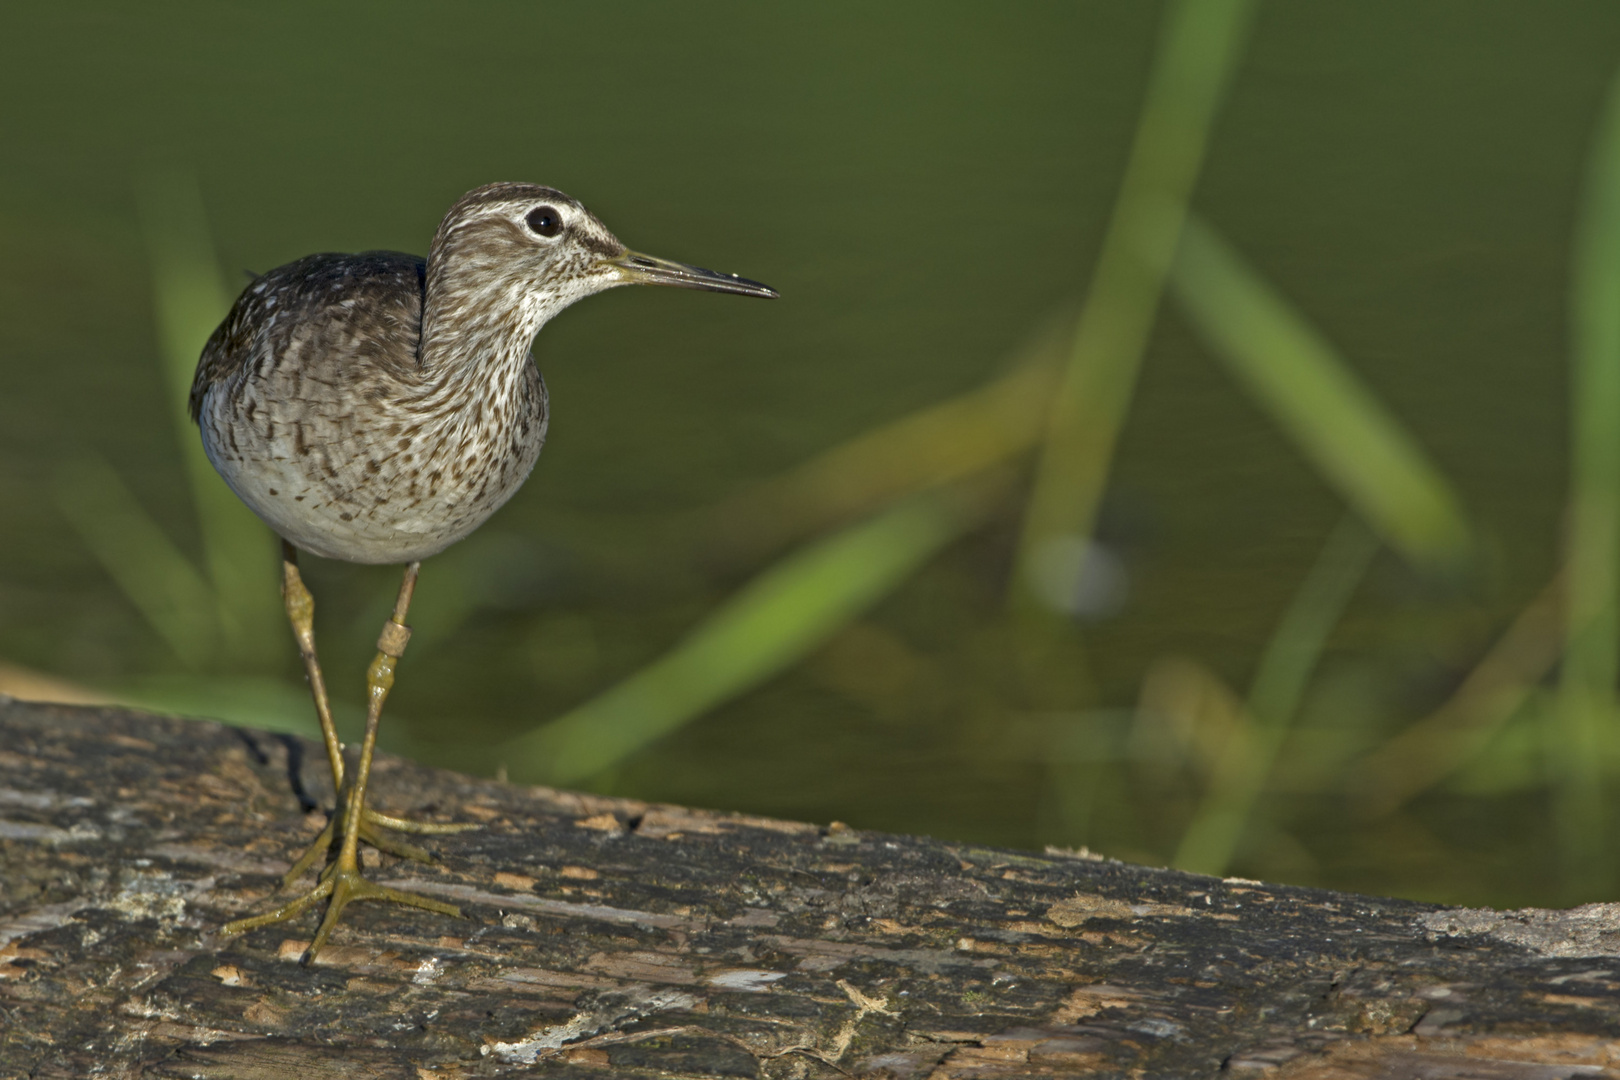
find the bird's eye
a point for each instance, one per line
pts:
(545, 220)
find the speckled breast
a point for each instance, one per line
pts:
(380, 481)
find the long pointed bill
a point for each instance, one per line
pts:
(639, 269)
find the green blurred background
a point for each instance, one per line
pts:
(1263, 662)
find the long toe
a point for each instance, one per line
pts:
(290, 910)
(420, 828)
(348, 886)
(410, 899)
(394, 846)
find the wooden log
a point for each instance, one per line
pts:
(606, 937)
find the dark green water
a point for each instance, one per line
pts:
(923, 183)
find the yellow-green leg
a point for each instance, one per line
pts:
(300, 607)
(342, 881)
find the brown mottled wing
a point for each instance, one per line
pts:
(384, 286)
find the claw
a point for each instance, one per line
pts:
(344, 886)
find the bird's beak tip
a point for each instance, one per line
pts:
(639, 269)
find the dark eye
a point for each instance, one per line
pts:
(545, 220)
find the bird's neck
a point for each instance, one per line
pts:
(478, 321)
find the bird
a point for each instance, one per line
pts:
(378, 407)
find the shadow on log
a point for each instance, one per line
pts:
(607, 937)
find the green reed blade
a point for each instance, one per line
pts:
(1435, 747)
(146, 565)
(190, 299)
(1314, 396)
(771, 623)
(1244, 766)
(929, 447)
(1586, 721)
(1199, 49)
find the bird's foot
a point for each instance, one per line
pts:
(369, 819)
(343, 884)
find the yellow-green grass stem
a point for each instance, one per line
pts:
(1199, 48)
(1243, 768)
(1355, 443)
(1581, 745)
(771, 623)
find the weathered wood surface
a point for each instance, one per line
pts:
(612, 938)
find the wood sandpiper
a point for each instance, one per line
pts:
(379, 407)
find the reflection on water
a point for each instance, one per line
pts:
(925, 186)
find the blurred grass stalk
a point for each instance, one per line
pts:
(1361, 450)
(190, 298)
(1582, 744)
(1309, 390)
(1429, 751)
(1243, 767)
(1198, 51)
(935, 446)
(227, 616)
(771, 623)
(152, 572)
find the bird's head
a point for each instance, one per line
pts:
(535, 249)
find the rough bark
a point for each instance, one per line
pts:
(607, 937)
